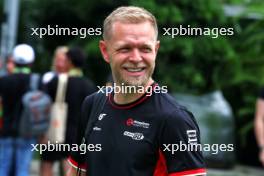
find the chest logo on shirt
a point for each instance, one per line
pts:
(101, 116)
(97, 128)
(132, 122)
(135, 136)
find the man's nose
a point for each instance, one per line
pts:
(135, 56)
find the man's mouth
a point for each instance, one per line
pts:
(134, 69)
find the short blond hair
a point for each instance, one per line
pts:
(128, 14)
(61, 49)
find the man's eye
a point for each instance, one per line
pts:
(146, 50)
(123, 50)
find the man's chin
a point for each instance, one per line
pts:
(136, 83)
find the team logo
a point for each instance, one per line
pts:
(131, 122)
(192, 136)
(101, 116)
(135, 136)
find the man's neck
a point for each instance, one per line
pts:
(125, 98)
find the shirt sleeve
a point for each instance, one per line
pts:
(77, 158)
(180, 131)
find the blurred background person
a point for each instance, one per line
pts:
(78, 87)
(259, 125)
(58, 65)
(10, 65)
(12, 88)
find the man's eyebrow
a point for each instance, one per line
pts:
(128, 45)
(146, 45)
(118, 46)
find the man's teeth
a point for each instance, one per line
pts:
(134, 69)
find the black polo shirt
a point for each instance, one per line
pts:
(132, 138)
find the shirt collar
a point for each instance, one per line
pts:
(76, 72)
(24, 70)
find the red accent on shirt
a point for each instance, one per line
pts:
(189, 172)
(161, 167)
(74, 163)
(130, 105)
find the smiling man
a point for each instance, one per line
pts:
(135, 129)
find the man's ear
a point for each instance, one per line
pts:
(103, 49)
(157, 46)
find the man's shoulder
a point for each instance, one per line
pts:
(92, 97)
(171, 109)
(170, 103)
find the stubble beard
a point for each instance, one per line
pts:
(133, 81)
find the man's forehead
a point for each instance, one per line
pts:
(118, 24)
(133, 32)
(133, 43)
